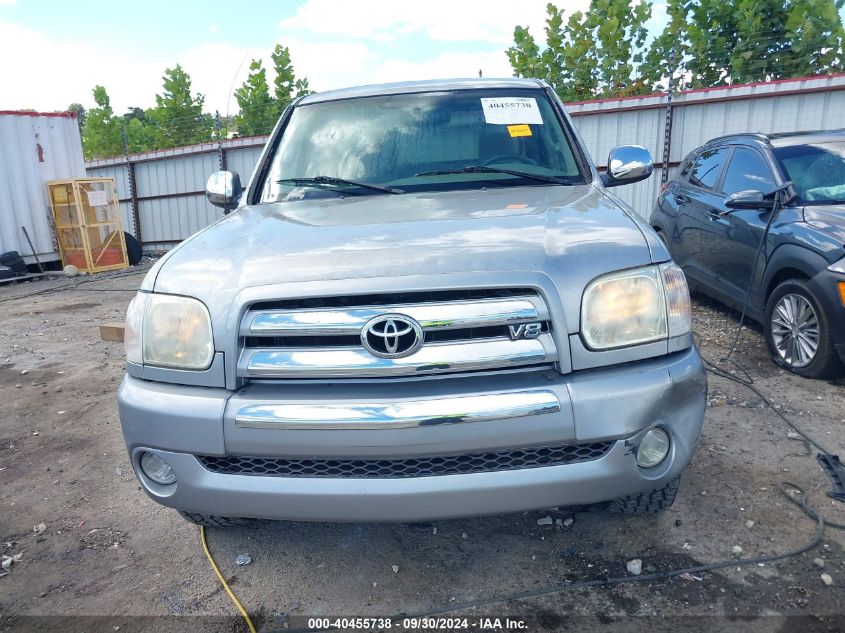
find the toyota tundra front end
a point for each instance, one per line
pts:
(426, 304)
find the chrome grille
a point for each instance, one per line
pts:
(408, 467)
(462, 331)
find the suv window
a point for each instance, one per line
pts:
(397, 140)
(747, 170)
(817, 170)
(707, 167)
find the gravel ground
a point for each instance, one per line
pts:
(108, 558)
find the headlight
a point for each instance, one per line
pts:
(637, 306)
(168, 331)
(134, 325)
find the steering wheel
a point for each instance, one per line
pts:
(505, 158)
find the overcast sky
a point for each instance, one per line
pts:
(54, 52)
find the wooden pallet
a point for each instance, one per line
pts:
(29, 277)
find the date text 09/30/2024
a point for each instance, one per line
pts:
(420, 624)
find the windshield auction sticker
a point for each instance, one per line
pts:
(511, 110)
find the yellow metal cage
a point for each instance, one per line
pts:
(87, 218)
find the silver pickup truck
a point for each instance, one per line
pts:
(426, 303)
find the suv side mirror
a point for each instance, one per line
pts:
(749, 199)
(224, 189)
(627, 164)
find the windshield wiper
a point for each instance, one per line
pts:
(484, 169)
(331, 180)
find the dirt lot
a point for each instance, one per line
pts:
(108, 550)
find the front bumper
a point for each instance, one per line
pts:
(617, 404)
(825, 286)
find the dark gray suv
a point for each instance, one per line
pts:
(714, 215)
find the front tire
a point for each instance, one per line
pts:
(797, 332)
(650, 502)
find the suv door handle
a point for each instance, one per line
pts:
(681, 198)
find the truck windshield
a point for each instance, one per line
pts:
(816, 170)
(421, 142)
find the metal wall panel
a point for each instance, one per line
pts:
(182, 174)
(243, 161)
(170, 220)
(603, 132)
(170, 187)
(695, 124)
(34, 148)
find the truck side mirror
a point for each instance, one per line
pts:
(627, 164)
(224, 189)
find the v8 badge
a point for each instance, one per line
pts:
(525, 330)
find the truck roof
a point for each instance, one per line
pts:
(431, 85)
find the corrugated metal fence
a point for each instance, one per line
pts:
(162, 193)
(169, 204)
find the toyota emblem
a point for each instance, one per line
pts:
(392, 336)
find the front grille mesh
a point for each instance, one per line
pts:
(406, 467)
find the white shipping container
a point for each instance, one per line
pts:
(34, 148)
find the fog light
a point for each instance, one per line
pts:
(653, 449)
(157, 469)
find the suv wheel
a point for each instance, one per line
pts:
(650, 502)
(797, 332)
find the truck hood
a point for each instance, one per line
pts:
(572, 234)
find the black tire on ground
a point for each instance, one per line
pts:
(650, 502)
(826, 363)
(133, 249)
(9, 257)
(210, 520)
(13, 260)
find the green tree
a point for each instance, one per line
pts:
(668, 49)
(597, 53)
(721, 43)
(140, 130)
(81, 112)
(258, 110)
(286, 87)
(102, 135)
(140, 136)
(603, 52)
(816, 37)
(178, 117)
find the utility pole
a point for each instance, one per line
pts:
(133, 190)
(221, 156)
(667, 129)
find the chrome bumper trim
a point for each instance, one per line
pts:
(431, 316)
(398, 415)
(340, 362)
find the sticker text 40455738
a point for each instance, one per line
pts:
(511, 110)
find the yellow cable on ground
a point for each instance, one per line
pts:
(224, 583)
